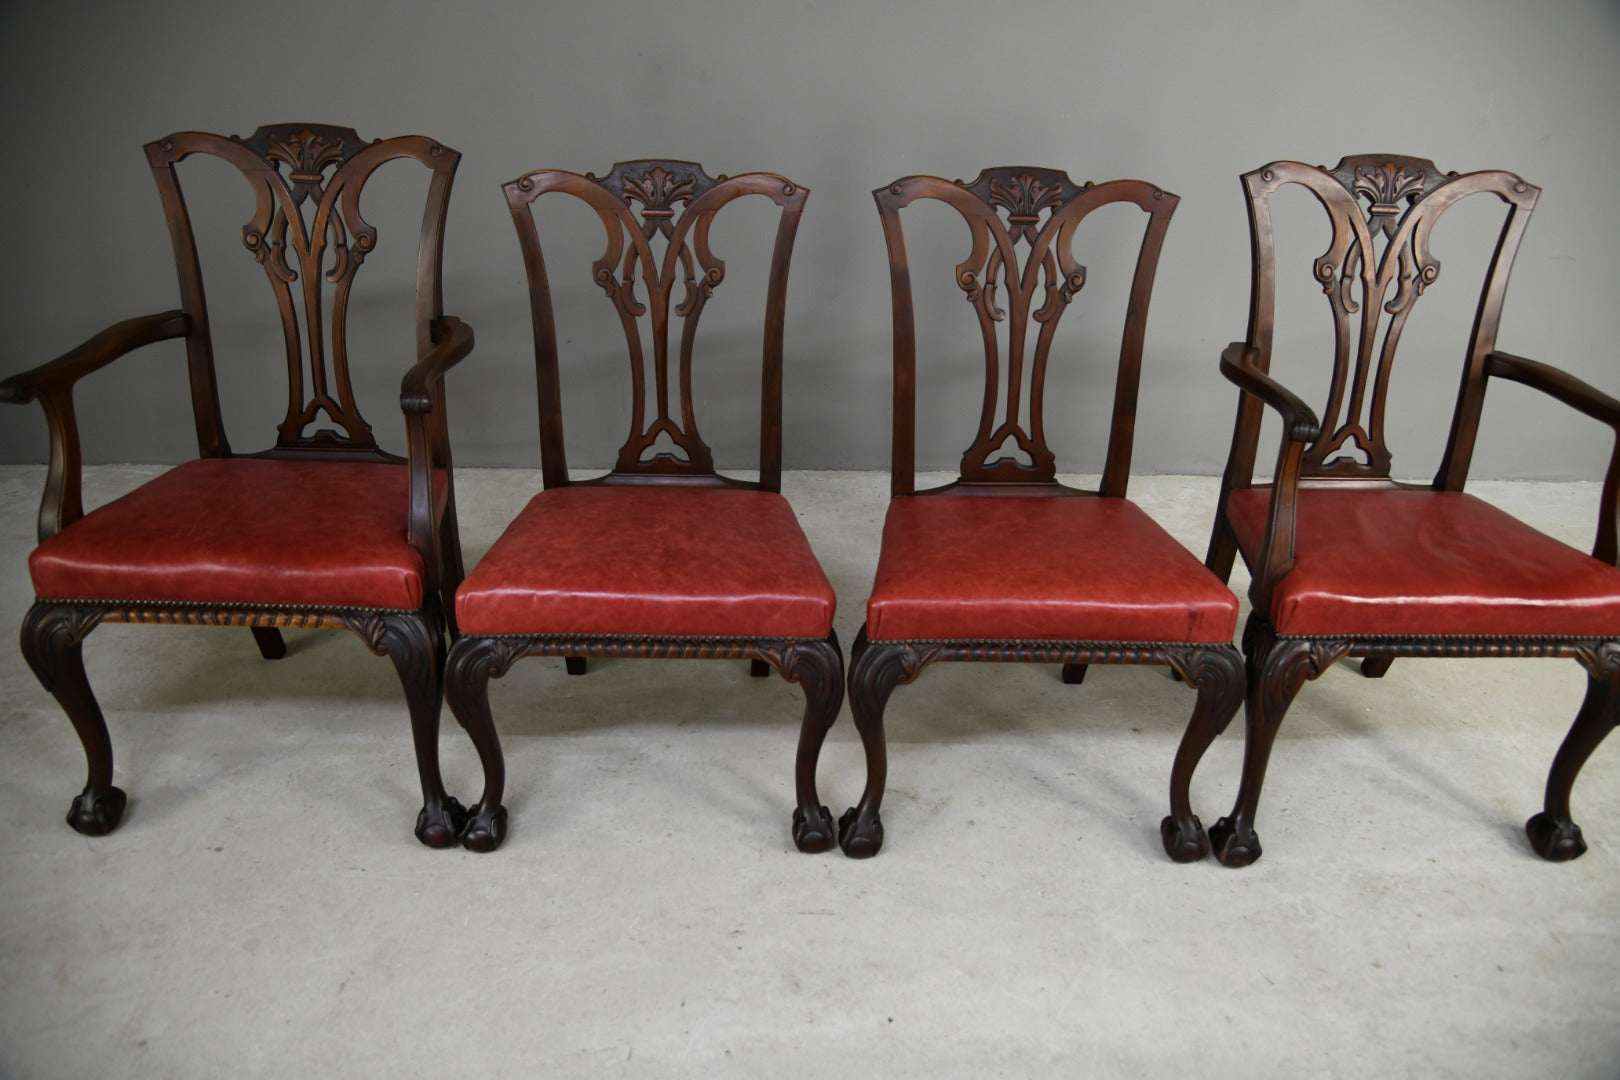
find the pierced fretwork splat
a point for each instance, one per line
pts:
(1383, 209)
(307, 233)
(300, 158)
(657, 216)
(1040, 209)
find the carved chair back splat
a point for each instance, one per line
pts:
(1397, 569)
(973, 578)
(659, 273)
(343, 534)
(1003, 209)
(663, 556)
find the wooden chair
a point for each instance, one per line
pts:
(1347, 562)
(324, 528)
(1006, 563)
(662, 556)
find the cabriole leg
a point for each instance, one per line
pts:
(1553, 835)
(51, 638)
(1217, 675)
(416, 647)
(473, 662)
(818, 667)
(1277, 668)
(875, 670)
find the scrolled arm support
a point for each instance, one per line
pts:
(1300, 429)
(1588, 400)
(1299, 422)
(452, 341)
(51, 384)
(427, 432)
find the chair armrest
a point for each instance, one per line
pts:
(98, 352)
(1555, 383)
(1586, 399)
(453, 340)
(1299, 422)
(51, 384)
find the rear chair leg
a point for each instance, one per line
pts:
(1553, 835)
(269, 640)
(51, 638)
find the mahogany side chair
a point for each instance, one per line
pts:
(1346, 561)
(663, 556)
(324, 528)
(1006, 563)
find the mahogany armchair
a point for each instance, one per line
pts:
(1348, 562)
(324, 529)
(1007, 563)
(663, 556)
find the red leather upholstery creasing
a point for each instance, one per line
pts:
(244, 531)
(1040, 568)
(1385, 561)
(665, 561)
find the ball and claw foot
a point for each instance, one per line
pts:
(1555, 841)
(440, 826)
(860, 839)
(485, 829)
(812, 836)
(1184, 845)
(97, 815)
(1232, 848)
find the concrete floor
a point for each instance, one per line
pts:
(264, 910)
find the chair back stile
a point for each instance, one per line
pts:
(1002, 208)
(657, 216)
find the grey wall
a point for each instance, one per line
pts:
(842, 97)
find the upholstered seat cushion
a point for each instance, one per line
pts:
(244, 531)
(674, 561)
(1391, 561)
(1039, 568)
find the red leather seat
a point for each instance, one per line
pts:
(668, 561)
(1391, 561)
(1055, 569)
(244, 531)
